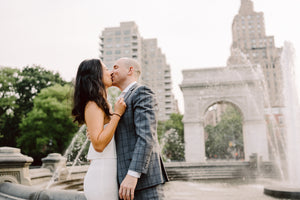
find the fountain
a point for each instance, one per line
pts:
(61, 173)
(62, 177)
(237, 171)
(290, 187)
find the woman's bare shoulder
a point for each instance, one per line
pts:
(92, 106)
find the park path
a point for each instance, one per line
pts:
(181, 190)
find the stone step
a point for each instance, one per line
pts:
(218, 170)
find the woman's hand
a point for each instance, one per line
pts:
(120, 106)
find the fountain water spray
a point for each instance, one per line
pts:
(276, 141)
(291, 114)
(77, 158)
(68, 151)
(290, 188)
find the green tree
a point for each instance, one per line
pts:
(175, 122)
(113, 94)
(48, 127)
(170, 134)
(226, 138)
(160, 130)
(31, 81)
(8, 97)
(24, 85)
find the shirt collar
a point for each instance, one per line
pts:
(129, 86)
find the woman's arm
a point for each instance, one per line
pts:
(94, 118)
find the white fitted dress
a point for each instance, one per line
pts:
(100, 181)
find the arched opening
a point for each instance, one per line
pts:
(223, 132)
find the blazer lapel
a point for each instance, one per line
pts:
(130, 91)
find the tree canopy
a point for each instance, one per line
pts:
(18, 89)
(170, 135)
(8, 97)
(225, 140)
(48, 127)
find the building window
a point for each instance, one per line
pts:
(126, 32)
(126, 38)
(118, 33)
(280, 119)
(108, 59)
(118, 52)
(108, 33)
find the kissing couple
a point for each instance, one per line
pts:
(124, 153)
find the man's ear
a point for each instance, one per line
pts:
(131, 69)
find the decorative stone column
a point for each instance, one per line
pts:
(57, 165)
(14, 166)
(53, 161)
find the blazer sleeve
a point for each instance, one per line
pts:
(145, 128)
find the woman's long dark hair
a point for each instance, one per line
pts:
(89, 87)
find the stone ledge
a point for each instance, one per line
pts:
(12, 191)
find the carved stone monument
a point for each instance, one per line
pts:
(239, 84)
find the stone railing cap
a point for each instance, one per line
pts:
(54, 157)
(11, 154)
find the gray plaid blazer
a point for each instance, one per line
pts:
(136, 139)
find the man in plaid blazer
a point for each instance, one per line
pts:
(140, 168)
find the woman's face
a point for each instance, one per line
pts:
(106, 76)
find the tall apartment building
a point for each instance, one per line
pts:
(122, 41)
(248, 34)
(126, 41)
(156, 73)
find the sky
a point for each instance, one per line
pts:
(59, 34)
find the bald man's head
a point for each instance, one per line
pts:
(129, 62)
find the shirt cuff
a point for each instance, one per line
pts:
(134, 174)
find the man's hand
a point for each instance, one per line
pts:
(127, 187)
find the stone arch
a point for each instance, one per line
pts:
(240, 86)
(232, 104)
(235, 104)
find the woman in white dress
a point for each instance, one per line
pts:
(91, 108)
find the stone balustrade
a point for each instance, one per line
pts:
(14, 166)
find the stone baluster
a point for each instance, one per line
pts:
(57, 165)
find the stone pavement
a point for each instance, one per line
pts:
(181, 190)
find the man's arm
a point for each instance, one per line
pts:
(145, 126)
